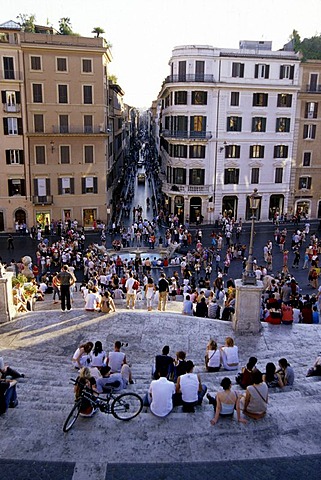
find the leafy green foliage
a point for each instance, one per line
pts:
(27, 22)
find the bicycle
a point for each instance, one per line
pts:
(123, 407)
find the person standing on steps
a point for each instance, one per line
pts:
(163, 287)
(65, 279)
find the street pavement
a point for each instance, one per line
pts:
(285, 444)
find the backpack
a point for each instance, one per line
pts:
(136, 285)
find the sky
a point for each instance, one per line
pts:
(143, 33)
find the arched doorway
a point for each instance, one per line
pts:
(179, 208)
(229, 206)
(302, 208)
(20, 216)
(276, 205)
(195, 210)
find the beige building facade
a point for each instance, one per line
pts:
(55, 131)
(306, 174)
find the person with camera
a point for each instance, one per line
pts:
(117, 362)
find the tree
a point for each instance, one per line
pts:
(309, 48)
(98, 31)
(113, 79)
(65, 26)
(296, 40)
(27, 22)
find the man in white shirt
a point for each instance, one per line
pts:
(117, 362)
(160, 395)
(131, 293)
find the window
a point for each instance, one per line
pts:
(179, 176)
(8, 68)
(37, 93)
(199, 70)
(35, 63)
(179, 151)
(88, 123)
(89, 154)
(232, 151)
(257, 151)
(12, 126)
(196, 176)
(14, 157)
(260, 99)
(179, 124)
(62, 93)
(261, 70)
(311, 110)
(278, 175)
(88, 94)
(197, 151)
(61, 64)
(309, 132)
(64, 154)
(66, 185)
(180, 98)
(16, 186)
(287, 71)
(282, 125)
(237, 70)
(41, 188)
(231, 175)
(284, 100)
(11, 99)
(38, 123)
(182, 71)
(306, 159)
(305, 182)
(40, 154)
(198, 125)
(258, 124)
(255, 174)
(63, 123)
(89, 185)
(234, 124)
(235, 99)
(199, 98)
(281, 151)
(86, 65)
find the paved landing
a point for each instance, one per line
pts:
(35, 470)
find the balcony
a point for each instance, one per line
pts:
(79, 130)
(11, 108)
(42, 200)
(313, 88)
(195, 78)
(186, 189)
(188, 135)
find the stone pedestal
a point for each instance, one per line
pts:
(7, 308)
(247, 307)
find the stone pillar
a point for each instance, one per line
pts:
(247, 307)
(7, 308)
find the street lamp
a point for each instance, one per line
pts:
(249, 276)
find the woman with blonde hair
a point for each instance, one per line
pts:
(229, 355)
(212, 357)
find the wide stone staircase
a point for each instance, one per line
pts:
(41, 345)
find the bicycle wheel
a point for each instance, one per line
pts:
(72, 417)
(127, 406)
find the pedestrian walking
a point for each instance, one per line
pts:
(163, 287)
(65, 279)
(10, 242)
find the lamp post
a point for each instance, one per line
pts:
(249, 276)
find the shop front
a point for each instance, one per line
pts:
(229, 206)
(179, 208)
(89, 217)
(195, 211)
(276, 206)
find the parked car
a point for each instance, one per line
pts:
(141, 177)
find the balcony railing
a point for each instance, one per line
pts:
(197, 77)
(186, 189)
(11, 108)
(192, 135)
(313, 88)
(74, 130)
(42, 199)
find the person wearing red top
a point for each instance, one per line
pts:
(287, 314)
